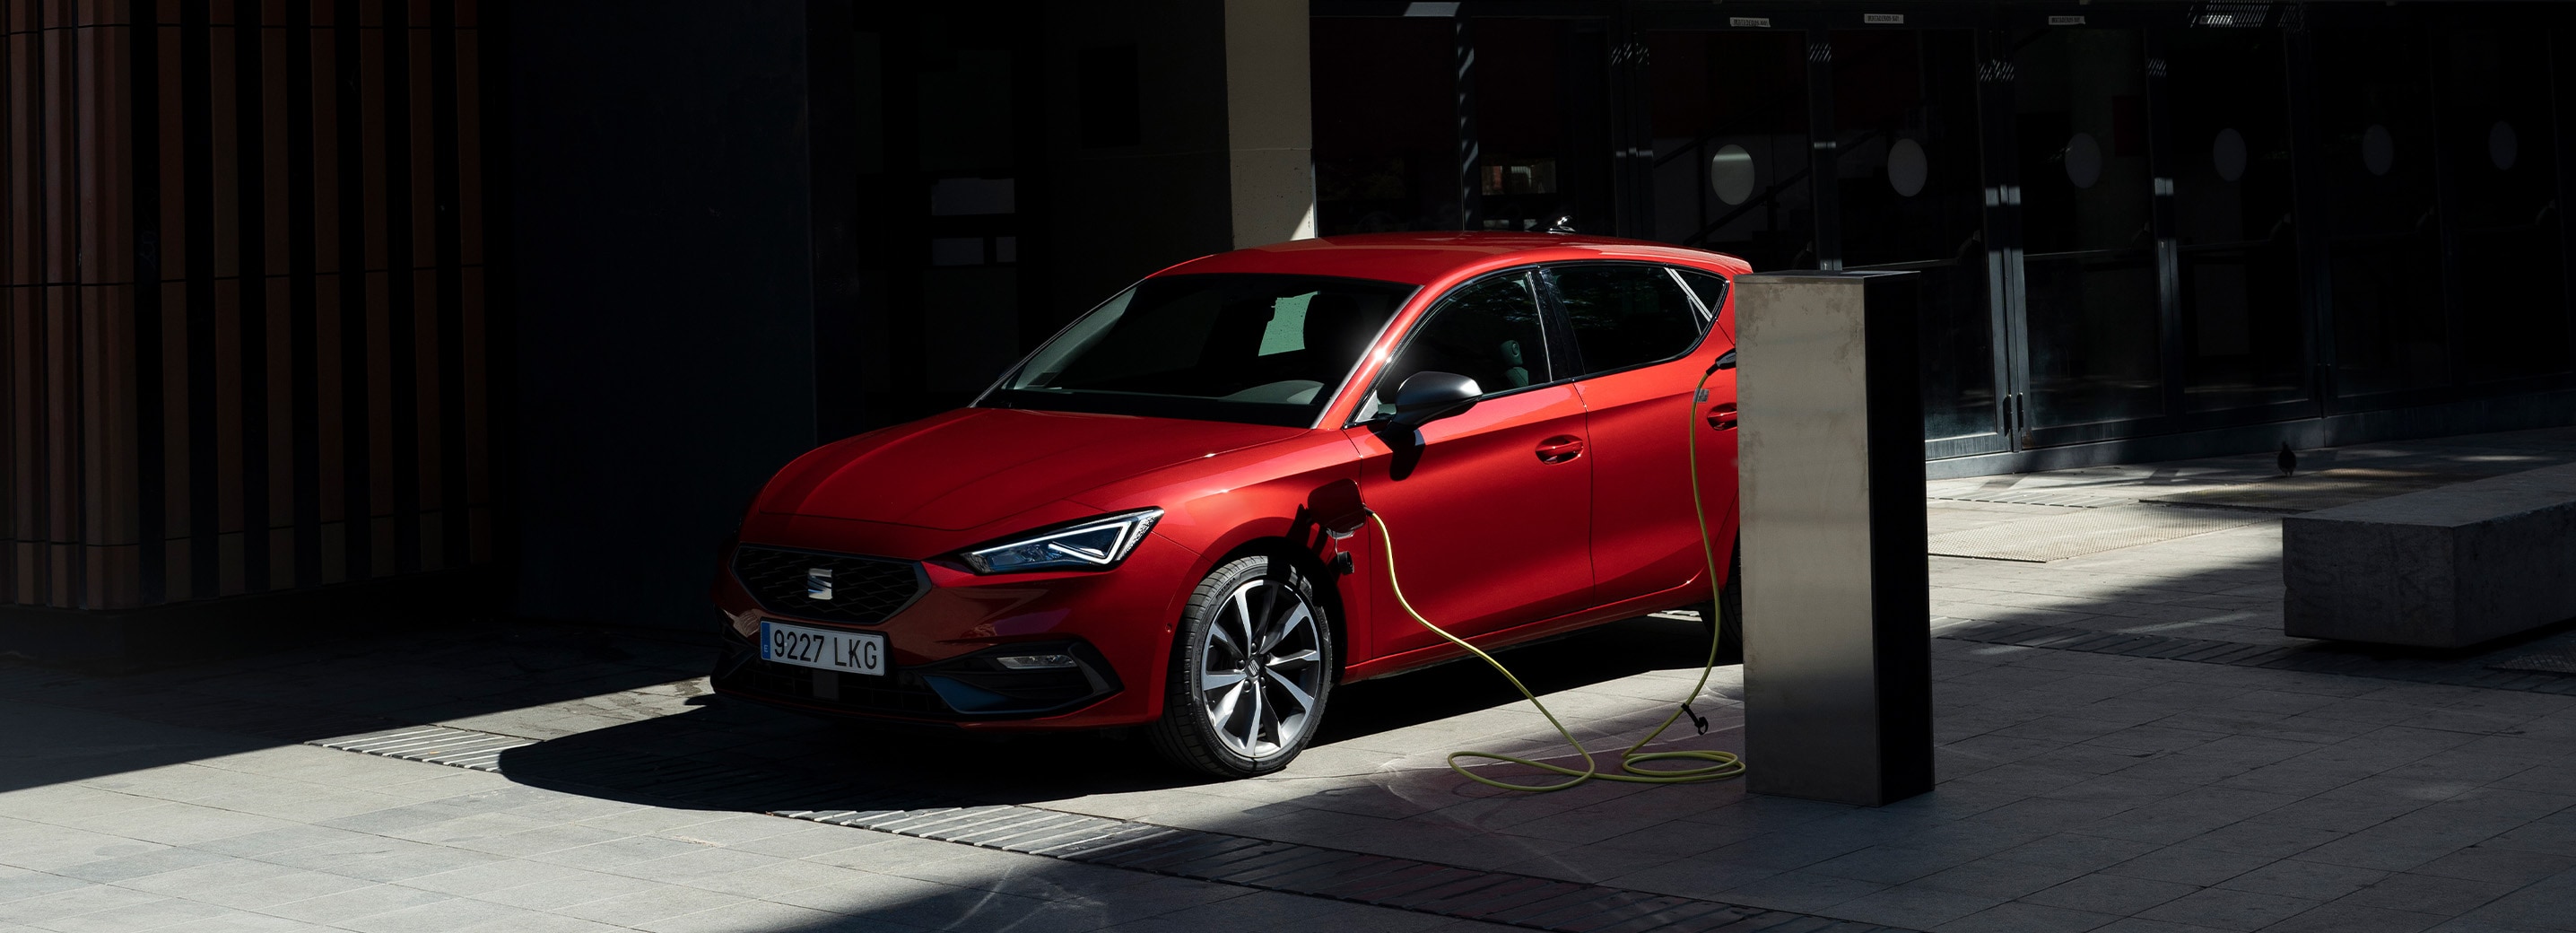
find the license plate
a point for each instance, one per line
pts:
(831, 650)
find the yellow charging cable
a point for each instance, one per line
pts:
(1722, 764)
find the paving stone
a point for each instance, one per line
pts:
(2229, 909)
(2116, 895)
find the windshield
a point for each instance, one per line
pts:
(1262, 349)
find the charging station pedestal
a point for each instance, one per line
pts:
(1837, 656)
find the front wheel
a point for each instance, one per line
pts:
(1251, 669)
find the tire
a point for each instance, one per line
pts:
(1233, 713)
(1730, 605)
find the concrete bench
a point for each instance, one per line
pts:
(2440, 568)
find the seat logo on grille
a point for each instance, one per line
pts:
(818, 583)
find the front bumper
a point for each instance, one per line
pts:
(942, 639)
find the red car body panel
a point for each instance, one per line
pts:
(1494, 550)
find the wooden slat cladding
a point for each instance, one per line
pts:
(242, 318)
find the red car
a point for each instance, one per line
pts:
(1156, 519)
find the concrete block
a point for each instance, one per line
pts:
(2441, 568)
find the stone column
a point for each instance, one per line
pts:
(1270, 136)
(1837, 656)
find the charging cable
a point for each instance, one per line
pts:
(1721, 764)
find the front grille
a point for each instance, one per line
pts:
(864, 590)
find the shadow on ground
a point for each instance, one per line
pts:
(354, 686)
(765, 759)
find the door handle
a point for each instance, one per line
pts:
(1560, 448)
(1721, 416)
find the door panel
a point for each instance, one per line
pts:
(1487, 535)
(1645, 537)
(1624, 317)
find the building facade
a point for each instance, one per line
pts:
(346, 310)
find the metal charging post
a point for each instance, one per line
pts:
(1837, 658)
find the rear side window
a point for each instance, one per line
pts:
(1626, 315)
(1488, 331)
(1710, 289)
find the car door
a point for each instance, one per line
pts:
(1633, 327)
(1488, 509)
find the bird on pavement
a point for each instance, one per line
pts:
(2288, 461)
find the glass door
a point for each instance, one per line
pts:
(1910, 180)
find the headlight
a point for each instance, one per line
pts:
(1092, 544)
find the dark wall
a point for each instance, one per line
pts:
(664, 327)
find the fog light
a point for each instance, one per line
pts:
(1034, 662)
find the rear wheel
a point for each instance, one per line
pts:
(1251, 670)
(1729, 617)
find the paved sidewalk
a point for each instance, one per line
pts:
(2273, 784)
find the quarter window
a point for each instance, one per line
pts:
(1625, 315)
(1488, 331)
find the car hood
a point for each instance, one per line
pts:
(976, 466)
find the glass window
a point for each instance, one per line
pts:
(2375, 113)
(2089, 268)
(1624, 316)
(1729, 111)
(1488, 331)
(2498, 154)
(1710, 289)
(1910, 175)
(1259, 348)
(2244, 332)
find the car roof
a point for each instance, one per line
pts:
(1423, 258)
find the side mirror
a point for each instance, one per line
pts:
(1431, 395)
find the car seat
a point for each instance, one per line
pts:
(1515, 374)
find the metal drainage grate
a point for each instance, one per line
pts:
(2069, 500)
(438, 745)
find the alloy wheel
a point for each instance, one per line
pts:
(1260, 666)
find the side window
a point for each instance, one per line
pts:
(1488, 331)
(1709, 289)
(1625, 315)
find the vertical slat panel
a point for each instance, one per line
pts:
(61, 393)
(26, 441)
(430, 319)
(17, 260)
(478, 401)
(243, 328)
(281, 323)
(456, 537)
(349, 310)
(106, 158)
(379, 402)
(250, 325)
(304, 474)
(402, 308)
(204, 498)
(59, 327)
(469, 141)
(150, 502)
(331, 377)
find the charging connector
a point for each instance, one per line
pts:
(1722, 765)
